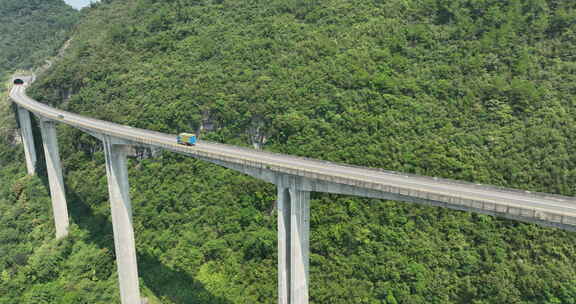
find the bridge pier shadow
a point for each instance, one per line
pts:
(165, 283)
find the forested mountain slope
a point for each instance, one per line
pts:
(482, 91)
(30, 259)
(31, 30)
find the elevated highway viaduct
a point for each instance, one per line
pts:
(295, 178)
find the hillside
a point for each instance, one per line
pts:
(31, 30)
(481, 91)
(30, 258)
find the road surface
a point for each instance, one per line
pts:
(561, 207)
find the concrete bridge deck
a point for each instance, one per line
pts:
(322, 176)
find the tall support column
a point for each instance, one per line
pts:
(293, 245)
(54, 169)
(27, 139)
(120, 205)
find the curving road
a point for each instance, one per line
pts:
(544, 207)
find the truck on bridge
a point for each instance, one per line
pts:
(186, 139)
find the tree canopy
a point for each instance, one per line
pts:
(31, 30)
(482, 91)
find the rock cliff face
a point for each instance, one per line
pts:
(256, 133)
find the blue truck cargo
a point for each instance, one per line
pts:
(186, 139)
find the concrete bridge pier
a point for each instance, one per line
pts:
(27, 139)
(293, 244)
(118, 187)
(54, 170)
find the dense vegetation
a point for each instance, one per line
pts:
(31, 30)
(35, 268)
(482, 91)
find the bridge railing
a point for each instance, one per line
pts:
(454, 201)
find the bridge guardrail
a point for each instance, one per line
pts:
(451, 201)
